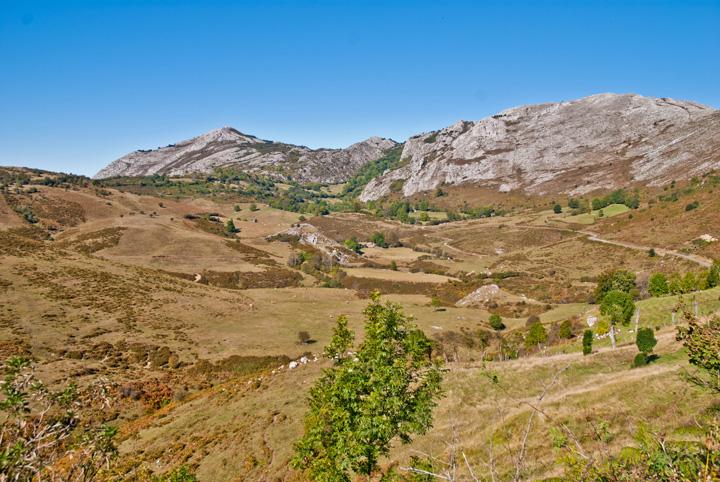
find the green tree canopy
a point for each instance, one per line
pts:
(618, 306)
(658, 285)
(587, 342)
(386, 391)
(496, 322)
(645, 340)
(713, 277)
(536, 335)
(615, 280)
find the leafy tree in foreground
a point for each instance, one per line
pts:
(386, 391)
(702, 342)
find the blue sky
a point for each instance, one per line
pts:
(84, 82)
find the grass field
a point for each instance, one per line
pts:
(590, 218)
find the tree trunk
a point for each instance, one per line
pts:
(612, 335)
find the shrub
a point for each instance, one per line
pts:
(496, 322)
(237, 208)
(652, 253)
(658, 285)
(393, 265)
(640, 360)
(536, 335)
(645, 340)
(713, 276)
(353, 245)
(230, 227)
(557, 209)
(619, 279)
(587, 342)
(566, 330)
(378, 239)
(253, 207)
(692, 205)
(304, 337)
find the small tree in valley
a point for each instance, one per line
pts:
(536, 336)
(496, 322)
(587, 342)
(386, 391)
(645, 341)
(566, 330)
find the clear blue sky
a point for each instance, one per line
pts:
(84, 82)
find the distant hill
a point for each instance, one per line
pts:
(599, 142)
(228, 147)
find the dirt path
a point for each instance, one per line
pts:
(593, 236)
(702, 261)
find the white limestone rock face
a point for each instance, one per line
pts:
(228, 147)
(599, 142)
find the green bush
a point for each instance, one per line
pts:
(619, 306)
(658, 285)
(587, 342)
(557, 209)
(640, 360)
(496, 322)
(619, 279)
(536, 335)
(566, 330)
(645, 340)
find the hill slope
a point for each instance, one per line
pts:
(598, 142)
(228, 147)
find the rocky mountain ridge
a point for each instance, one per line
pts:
(227, 147)
(603, 141)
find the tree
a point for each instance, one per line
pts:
(424, 217)
(713, 276)
(253, 207)
(573, 203)
(658, 285)
(618, 306)
(645, 341)
(230, 227)
(385, 391)
(536, 335)
(379, 240)
(652, 253)
(619, 279)
(557, 209)
(566, 330)
(353, 245)
(702, 342)
(304, 337)
(587, 342)
(496, 322)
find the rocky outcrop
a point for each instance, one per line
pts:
(228, 147)
(600, 142)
